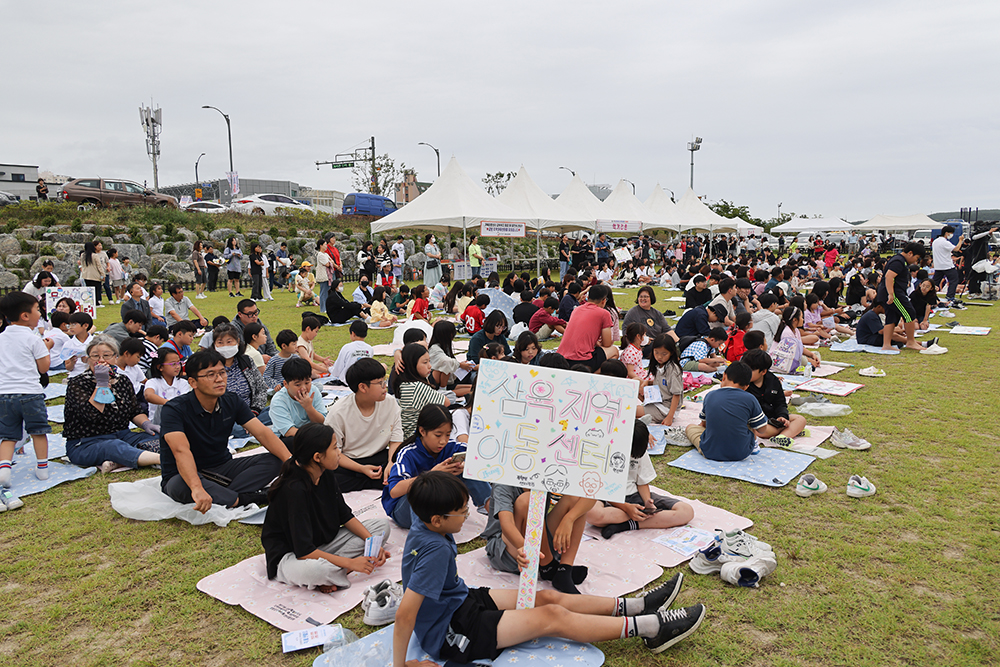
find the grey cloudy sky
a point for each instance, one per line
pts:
(844, 109)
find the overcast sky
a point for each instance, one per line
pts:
(844, 109)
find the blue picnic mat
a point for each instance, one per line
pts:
(24, 483)
(376, 649)
(57, 413)
(770, 467)
(852, 345)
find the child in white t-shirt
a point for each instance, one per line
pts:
(255, 336)
(156, 304)
(129, 355)
(642, 508)
(55, 338)
(163, 384)
(356, 349)
(23, 356)
(74, 350)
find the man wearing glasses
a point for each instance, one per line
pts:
(194, 442)
(248, 312)
(368, 427)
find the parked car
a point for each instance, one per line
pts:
(105, 192)
(360, 203)
(268, 204)
(7, 199)
(205, 207)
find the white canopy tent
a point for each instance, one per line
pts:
(579, 199)
(625, 207)
(664, 209)
(453, 202)
(529, 201)
(694, 215)
(899, 223)
(797, 225)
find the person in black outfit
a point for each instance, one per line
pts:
(42, 190)
(524, 310)
(339, 309)
(698, 295)
(766, 388)
(213, 269)
(197, 466)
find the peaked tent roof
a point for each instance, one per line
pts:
(693, 215)
(813, 225)
(454, 202)
(900, 223)
(624, 205)
(578, 197)
(664, 208)
(528, 200)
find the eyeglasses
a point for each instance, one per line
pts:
(104, 357)
(211, 375)
(252, 313)
(378, 383)
(171, 363)
(465, 513)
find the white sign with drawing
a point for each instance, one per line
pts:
(552, 430)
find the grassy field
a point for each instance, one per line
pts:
(907, 577)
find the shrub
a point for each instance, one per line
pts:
(168, 248)
(47, 250)
(239, 229)
(134, 232)
(10, 227)
(26, 246)
(209, 224)
(25, 263)
(76, 226)
(274, 232)
(168, 229)
(292, 232)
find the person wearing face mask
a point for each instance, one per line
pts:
(432, 265)
(363, 295)
(943, 253)
(242, 377)
(650, 318)
(339, 309)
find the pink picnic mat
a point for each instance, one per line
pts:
(614, 571)
(638, 545)
(295, 608)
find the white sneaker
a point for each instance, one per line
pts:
(809, 485)
(711, 559)
(372, 592)
(382, 610)
(934, 349)
(860, 487)
(8, 501)
(734, 538)
(748, 573)
(847, 440)
(872, 372)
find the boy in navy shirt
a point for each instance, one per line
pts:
(730, 417)
(454, 623)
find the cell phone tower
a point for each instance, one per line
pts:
(152, 122)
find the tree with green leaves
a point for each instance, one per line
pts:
(730, 210)
(497, 183)
(388, 175)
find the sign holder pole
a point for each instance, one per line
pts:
(533, 532)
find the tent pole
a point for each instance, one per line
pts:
(538, 252)
(465, 248)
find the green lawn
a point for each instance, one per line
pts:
(907, 577)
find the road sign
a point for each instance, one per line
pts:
(197, 193)
(341, 165)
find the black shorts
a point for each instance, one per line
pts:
(472, 632)
(898, 309)
(595, 361)
(660, 502)
(234, 275)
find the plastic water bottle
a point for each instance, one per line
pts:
(808, 372)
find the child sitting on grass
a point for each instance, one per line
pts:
(74, 351)
(642, 508)
(356, 349)
(311, 537)
(23, 356)
(286, 341)
(304, 346)
(666, 376)
(461, 625)
(730, 417)
(766, 388)
(163, 383)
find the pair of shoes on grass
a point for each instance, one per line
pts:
(737, 557)
(675, 624)
(847, 440)
(811, 485)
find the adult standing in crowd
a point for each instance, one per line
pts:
(92, 271)
(234, 265)
(200, 270)
(432, 265)
(323, 264)
(212, 262)
(475, 257)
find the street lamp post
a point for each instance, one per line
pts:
(436, 152)
(693, 146)
(630, 183)
(229, 132)
(569, 170)
(779, 212)
(672, 197)
(196, 181)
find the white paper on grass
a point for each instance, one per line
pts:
(552, 430)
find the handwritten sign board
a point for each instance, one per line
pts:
(552, 430)
(495, 228)
(622, 255)
(84, 297)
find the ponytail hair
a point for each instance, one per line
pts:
(432, 416)
(310, 440)
(632, 331)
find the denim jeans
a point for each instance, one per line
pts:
(121, 447)
(563, 267)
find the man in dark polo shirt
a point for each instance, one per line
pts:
(194, 442)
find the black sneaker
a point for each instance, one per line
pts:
(258, 498)
(675, 625)
(933, 341)
(663, 595)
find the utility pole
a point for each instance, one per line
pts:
(152, 121)
(375, 190)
